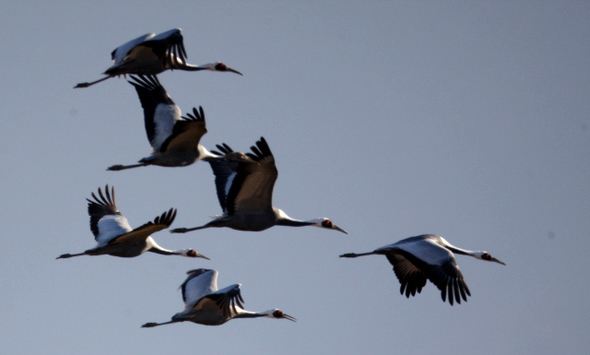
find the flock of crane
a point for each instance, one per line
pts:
(244, 184)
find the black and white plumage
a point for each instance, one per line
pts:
(244, 185)
(115, 236)
(174, 139)
(151, 54)
(431, 257)
(205, 304)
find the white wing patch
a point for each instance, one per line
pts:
(165, 116)
(200, 286)
(428, 251)
(111, 226)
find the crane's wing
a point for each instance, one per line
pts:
(223, 301)
(118, 54)
(140, 234)
(159, 111)
(435, 262)
(106, 222)
(168, 47)
(199, 283)
(186, 133)
(251, 189)
(225, 171)
(411, 278)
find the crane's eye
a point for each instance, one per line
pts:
(327, 223)
(486, 256)
(221, 67)
(191, 253)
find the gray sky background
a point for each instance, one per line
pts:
(465, 119)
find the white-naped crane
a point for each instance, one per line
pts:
(174, 139)
(431, 257)
(244, 185)
(151, 54)
(114, 235)
(205, 304)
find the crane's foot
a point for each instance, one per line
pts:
(115, 168)
(179, 230)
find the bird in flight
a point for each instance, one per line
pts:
(431, 257)
(205, 304)
(114, 235)
(245, 185)
(151, 54)
(174, 139)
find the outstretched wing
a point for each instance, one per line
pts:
(118, 54)
(253, 182)
(186, 133)
(411, 278)
(199, 283)
(106, 222)
(159, 111)
(168, 47)
(418, 258)
(223, 301)
(225, 171)
(140, 234)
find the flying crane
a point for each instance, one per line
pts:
(206, 304)
(151, 54)
(244, 185)
(174, 139)
(431, 257)
(114, 235)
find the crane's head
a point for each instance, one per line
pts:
(278, 314)
(191, 253)
(218, 66)
(327, 224)
(484, 255)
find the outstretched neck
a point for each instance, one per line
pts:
(284, 220)
(190, 67)
(242, 313)
(454, 249)
(155, 248)
(292, 222)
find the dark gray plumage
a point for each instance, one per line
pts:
(244, 184)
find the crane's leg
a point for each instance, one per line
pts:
(152, 324)
(123, 167)
(65, 256)
(85, 85)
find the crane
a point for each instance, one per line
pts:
(114, 235)
(431, 257)
(244, 185)
(205, 304)
(151, 54)
(174, 139)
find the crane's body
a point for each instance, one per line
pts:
(150, 55)
(174, 139)
(244, 184)
(207, 305)
(114, 235)
(431, 257)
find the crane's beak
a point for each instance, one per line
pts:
(202, 256)
(234, 71)
(291, 318)
(340, 229)
(498, 261)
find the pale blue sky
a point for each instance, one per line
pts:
(465, 119)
